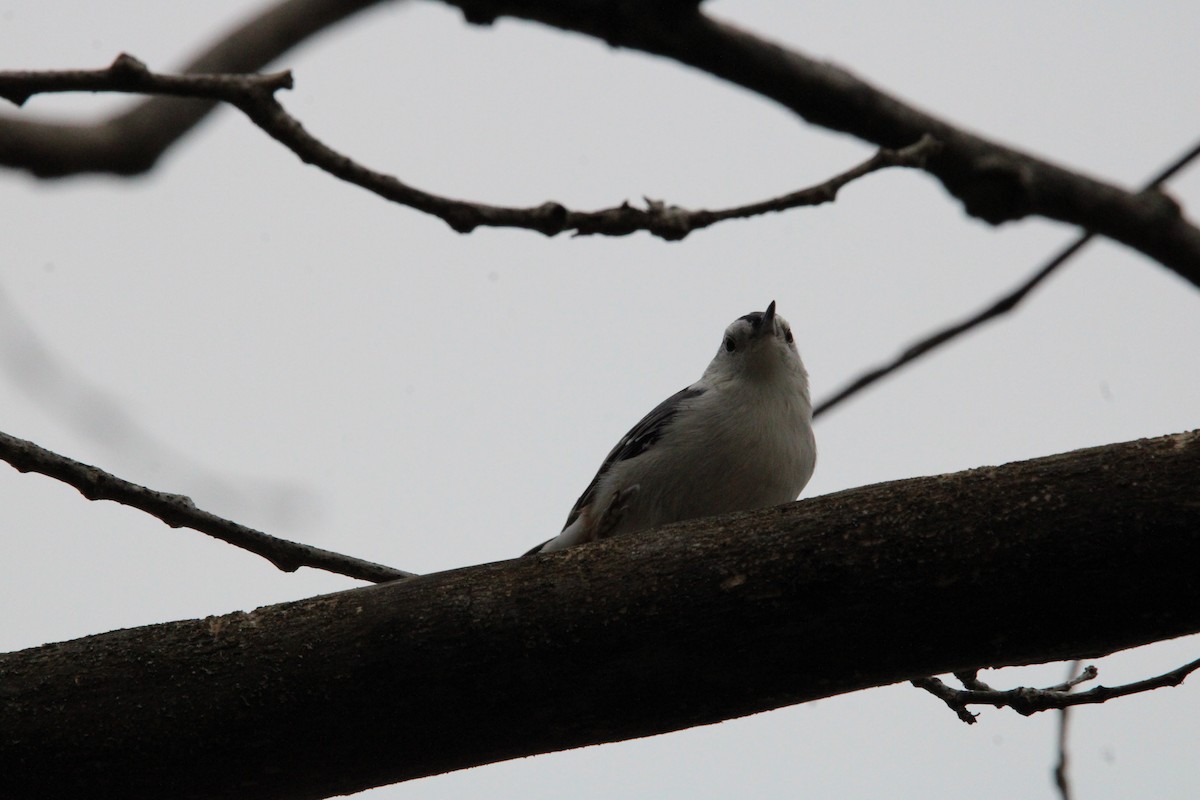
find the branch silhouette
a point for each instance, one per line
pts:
(132, 142)
(179, 511)
(1061, 773)
(254, 96)
(997, 308)
(688, 625)
(994, 183)
(1028, 701)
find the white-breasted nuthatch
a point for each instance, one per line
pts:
(739, 438)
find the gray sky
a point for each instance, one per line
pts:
(302, 356)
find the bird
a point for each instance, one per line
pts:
(738, 439)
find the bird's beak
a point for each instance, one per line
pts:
(768, 321)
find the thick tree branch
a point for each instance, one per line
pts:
(995, 183)
(179, 511)
(637, 635)
(254, 96)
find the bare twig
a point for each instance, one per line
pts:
(129, 75)
(970, 680)
(179, 512)
(998, 308)
(913, 156)
(131, 143)
(1062, 780)
(56, 387)
(1076, 677)
(254, 96)
(994, 183)
(947, 695)
(667, 222)
(1027, 701)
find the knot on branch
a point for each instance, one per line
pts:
(998, 189)
(669, 222)
(1163, 210)
(479, 13)
(550, 218)
(126, 65)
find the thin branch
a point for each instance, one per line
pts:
(1062, 780)
(996, 309)
(970, 679)
(254, 96)
(131, 143)
(56, 387)
(940, 690)
(1027, 701)
(129, 75)
(179, 511)
(670, 223)
(1076, 677)
(914, 156)
(995, 183)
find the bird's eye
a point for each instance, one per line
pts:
(730, 345)
(787, 336)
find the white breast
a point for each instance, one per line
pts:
(740, 446)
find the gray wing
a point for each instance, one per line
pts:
(648, 431)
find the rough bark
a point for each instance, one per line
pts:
(1067, 556)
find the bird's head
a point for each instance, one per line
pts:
(758, 347)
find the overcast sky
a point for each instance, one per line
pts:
(304, 357)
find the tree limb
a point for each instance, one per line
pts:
(179, 511)
(254, 96)
(1061, 774)
(995, 183)
(131, 142)
(997, 308)
(1027, 701)
(701, 621)
(128, 74)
